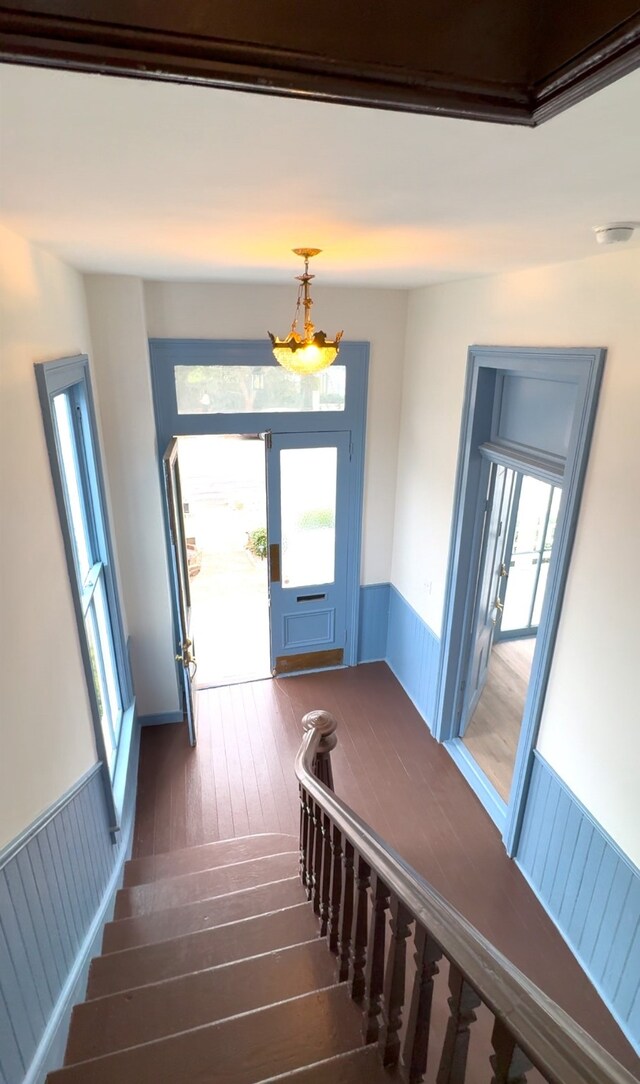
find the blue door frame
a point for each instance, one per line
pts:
(166, 354)
(487, 436)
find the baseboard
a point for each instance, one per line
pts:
(477, 780)
(162, 718)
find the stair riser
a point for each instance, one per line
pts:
(152, 1012)
(202, 915)
(244, 1050)
(198, 951)
(176, 891)
(209, 856)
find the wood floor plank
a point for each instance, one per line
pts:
(392, 773)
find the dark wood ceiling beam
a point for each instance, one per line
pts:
(52, 33)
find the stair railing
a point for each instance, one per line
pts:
(365, 894)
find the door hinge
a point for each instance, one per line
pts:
(266, 437)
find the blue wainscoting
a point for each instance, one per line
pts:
(590, 889)
(373, 622)
(57, 886)
(413, 653)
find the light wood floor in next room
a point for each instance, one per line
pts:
(239, 780)
(493, 733)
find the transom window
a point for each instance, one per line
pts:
(256, 389)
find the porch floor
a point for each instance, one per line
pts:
(239, 780)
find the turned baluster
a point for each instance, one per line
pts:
(325, 887)
(416, 1047)
(336, 888)
(304, 837)
(395, 975)
(374, 984)
(360, 924)
(318, 846)
(346, 912)
(463, 1000)
(509, 1062)
(311, 845)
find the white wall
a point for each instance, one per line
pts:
(123, 379)
(590, 730)
(46, 735)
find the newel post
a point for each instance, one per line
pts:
(319, 855)
(325, 724)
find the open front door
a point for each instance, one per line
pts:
(180, 577)
(490, 594)
(307, 531)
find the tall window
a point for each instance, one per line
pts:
(71, 433)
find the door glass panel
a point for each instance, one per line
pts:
(70, 473)
(526, 554)
(546, 555)
(100, 685)
(242, 389)
(106, 651)
(308, 478)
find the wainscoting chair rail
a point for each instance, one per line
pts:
(365, 895)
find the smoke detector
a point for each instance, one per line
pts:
(614, 232)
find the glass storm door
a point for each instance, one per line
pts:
(180, 577)
(307, 526)
(488, 602)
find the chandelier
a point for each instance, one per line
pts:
(311, 352)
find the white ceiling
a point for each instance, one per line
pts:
(170, 181)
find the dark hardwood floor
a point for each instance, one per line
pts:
(239, 780)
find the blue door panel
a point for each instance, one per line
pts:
(308, 618)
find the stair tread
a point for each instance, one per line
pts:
(245, 1049)
(187, 887)
(205, 856)
(133, 967)
(361, 1066)
(133, 1017)
(201, 914)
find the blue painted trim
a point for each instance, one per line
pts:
(72, 375)
(590, 889)
(485, 370)
(374, 622)
(587, 816)
(163, 717)
(51, 1048)
(11, 850)
(57, 887)
(165, 354)
(477, 780)
(413, 654)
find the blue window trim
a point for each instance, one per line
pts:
(67, 374)
(486, 369)
(165, 354)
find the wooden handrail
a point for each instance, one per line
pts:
(343, 863)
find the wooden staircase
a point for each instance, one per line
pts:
(267, 959)
(213, 970)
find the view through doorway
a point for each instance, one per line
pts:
(525, 514)
(224, 505)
